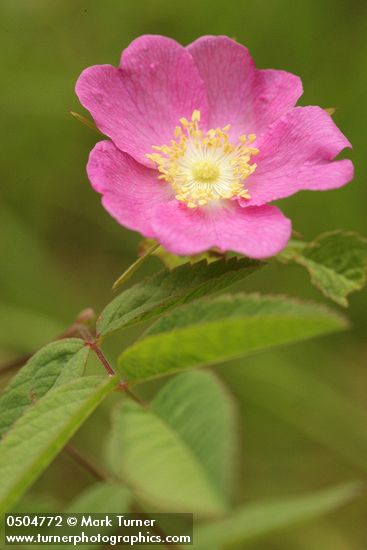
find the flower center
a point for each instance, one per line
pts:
(205, 167)
(205, 171)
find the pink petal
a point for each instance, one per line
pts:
(139, 104)
(297, 153)
(257, 232)
(239, 94)
(130, 190)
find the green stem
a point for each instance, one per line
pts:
(85, 463)
(93, 344)
(89, 123)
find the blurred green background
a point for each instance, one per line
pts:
(60, 251)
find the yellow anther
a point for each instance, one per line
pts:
(178, 131)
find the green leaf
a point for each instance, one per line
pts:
(54, 364)
(198, 407)
(261, 519)
(37, 437)
(101, 498)
(336, 262)
(329, 417)
(209, 332)
(167, 289)
(38, 503)
(178, 453)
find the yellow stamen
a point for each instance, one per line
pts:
(205, 167)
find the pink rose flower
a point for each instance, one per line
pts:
(202, 141)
